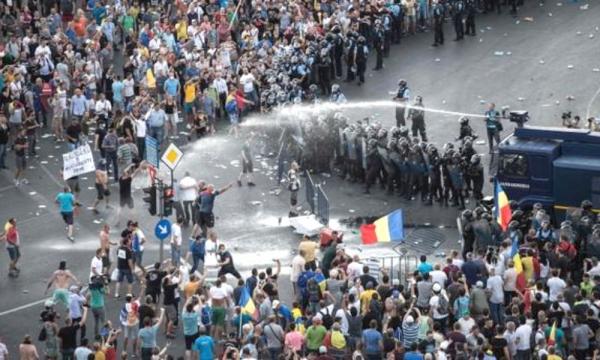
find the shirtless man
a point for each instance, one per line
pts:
(220, 303)
(105, 245)
(101, 186)
(61, 279)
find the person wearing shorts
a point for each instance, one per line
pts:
(124, 263)
(66, 202)
(247, 166)
(61, 296)
(20, 147)
(13, 242)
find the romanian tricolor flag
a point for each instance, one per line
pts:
(552, 337)
(386, 229)
(247, 304)
(503, 211)
(320, 279)
(514, 253)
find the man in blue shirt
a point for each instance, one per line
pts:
(118, 98)
(147, 335)
(493, 126)
(66, 203)
(424, 267)
(204, 346)
(78, 105)
(206, 219)
(413, 354)
(372, 341)
(171, 86)
(156, 122)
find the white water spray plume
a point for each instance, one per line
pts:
(304, 112)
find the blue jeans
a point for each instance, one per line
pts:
(496, 311)
(2, 155)
(111, 157)
(274, 352)
(175, 254)
(158, 132)
(198, 263)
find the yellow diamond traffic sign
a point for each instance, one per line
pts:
(172, 156)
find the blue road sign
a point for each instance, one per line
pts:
(152, 151)
(162, 229)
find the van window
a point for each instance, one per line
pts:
(514, 165)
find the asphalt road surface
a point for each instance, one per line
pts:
(533, 62)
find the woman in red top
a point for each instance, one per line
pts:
(13, 244)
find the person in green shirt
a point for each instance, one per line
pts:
(315, 334)
(128, 23)
(328, 257)
(95, 299)
(587, 285)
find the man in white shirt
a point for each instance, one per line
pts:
(188, 192)
(355, 268)
(523, 339)
(297, 268)
(221, 86)
(103, 107)
(556, 285)
(495, 287)
(96, 265)
(438, 276)
(176, 241)
(248, 80)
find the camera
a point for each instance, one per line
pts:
(519, 117)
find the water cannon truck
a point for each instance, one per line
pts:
(557, 167)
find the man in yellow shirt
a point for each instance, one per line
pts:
(189, 99)
(309, 247)
(366, 296)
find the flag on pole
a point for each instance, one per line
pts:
(503, 211)
(247, 304)
(518, 265)
(385, 229)
(552, 337)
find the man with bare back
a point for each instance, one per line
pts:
(61, 279)
(101, 186)
(105, 245)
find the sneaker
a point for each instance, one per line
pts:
(239, 182)
(251, 184)
(17, 182)
(71, 239)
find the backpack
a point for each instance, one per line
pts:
(206, 315)
(231, 107)
(314, 292)
(442, 305)
(328, 318)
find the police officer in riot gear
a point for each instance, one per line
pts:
(337, 97)
(361, 53)
(468, 233)
(378, 44)
(373, 164)
(465, 129)
(475, 172)
(402, 97)
(458, 10)
(417, 116)
(350, 47)
(470, 10)
(338, 50)
(323, 65)
(435, 175)
(438, 23)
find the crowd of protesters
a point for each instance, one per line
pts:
(118, 72)
(532, 294)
